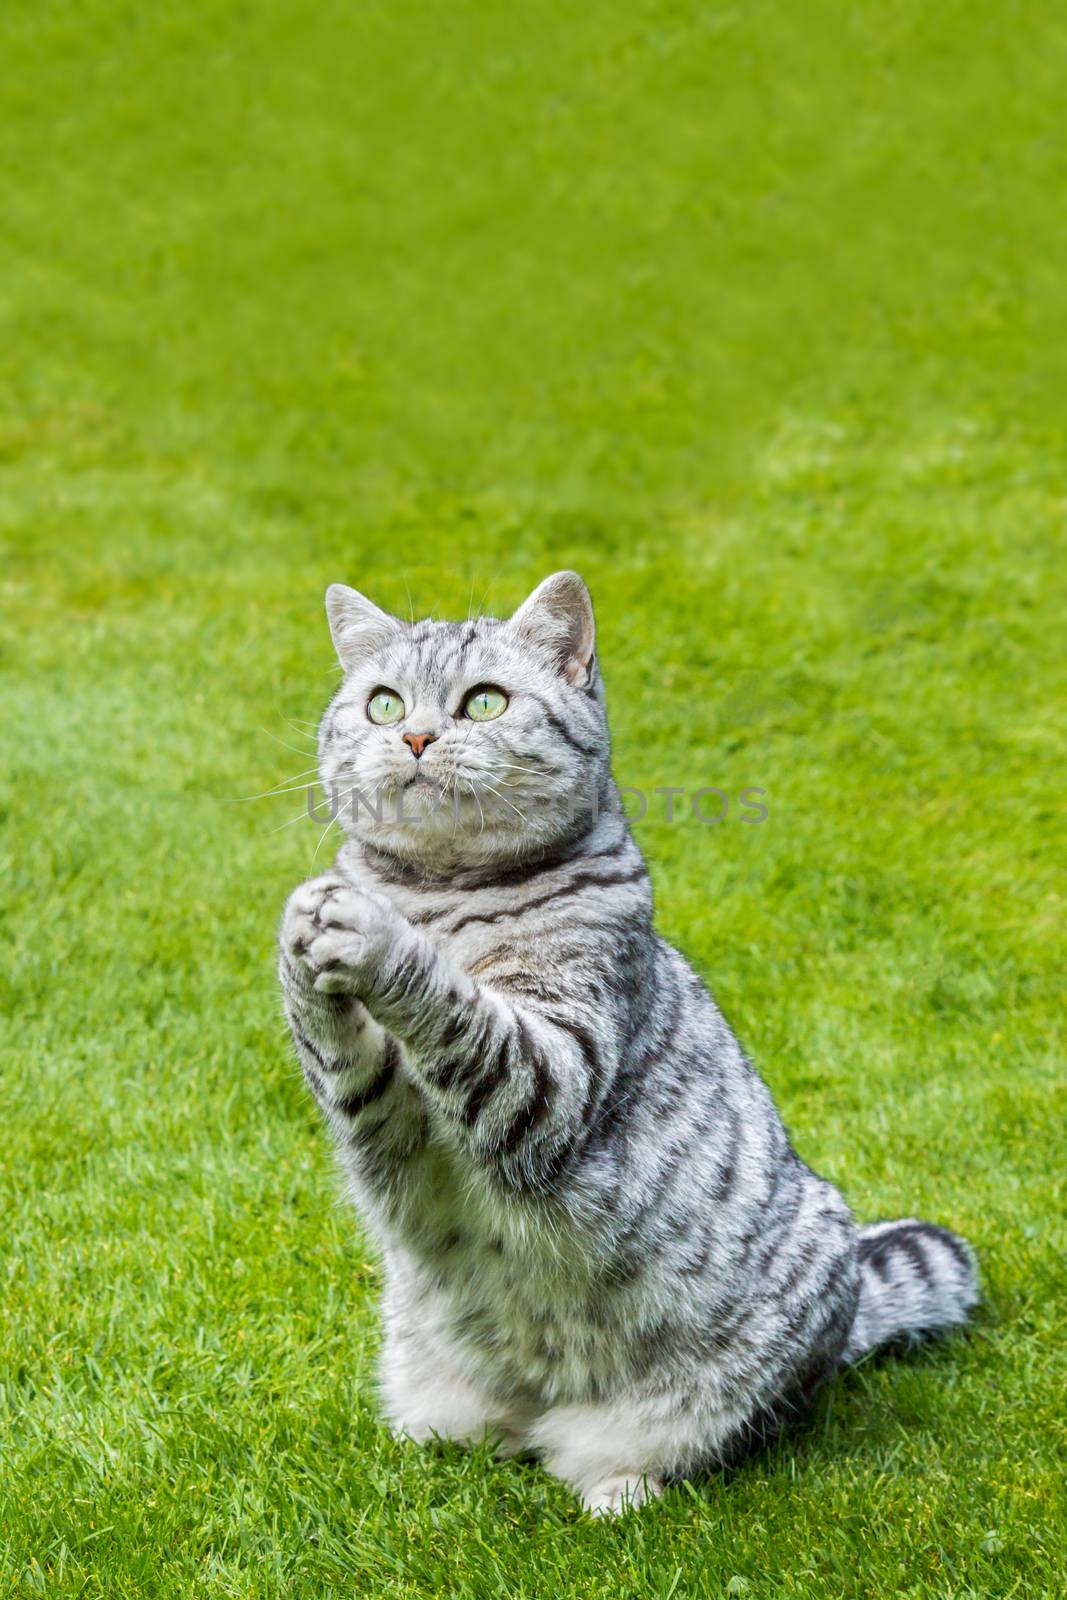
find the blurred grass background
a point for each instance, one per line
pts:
(754, 314)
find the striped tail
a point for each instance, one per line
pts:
(915, 1279)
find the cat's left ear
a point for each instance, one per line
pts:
(558, 619)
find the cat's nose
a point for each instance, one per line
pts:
(417, 742)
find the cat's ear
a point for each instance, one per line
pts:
(558, 619)
(357, 625)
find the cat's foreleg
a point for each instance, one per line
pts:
(424, 1394)
(353, 1067)
(511, 1084)
(617, 1453)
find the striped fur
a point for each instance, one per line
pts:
(599, 1244)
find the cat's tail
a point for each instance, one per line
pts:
(915, 1279)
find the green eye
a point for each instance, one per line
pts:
(483, 704)
(385, 706)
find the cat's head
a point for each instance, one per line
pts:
(466, 742)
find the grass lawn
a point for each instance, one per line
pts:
(757, 316)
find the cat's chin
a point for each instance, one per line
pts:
(439, 842)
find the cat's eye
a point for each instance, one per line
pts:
(384, 706)
(485, 703)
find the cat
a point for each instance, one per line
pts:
(599, 1246)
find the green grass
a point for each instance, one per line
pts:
(756, 315)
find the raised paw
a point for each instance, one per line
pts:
(335, 935)
(301, 924)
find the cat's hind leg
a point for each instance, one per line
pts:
(425, 1396)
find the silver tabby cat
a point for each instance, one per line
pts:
(599, 1245)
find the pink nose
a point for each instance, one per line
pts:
(417, 742)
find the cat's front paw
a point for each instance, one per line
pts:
(338, 935)
(301, 923)
(612, 1497)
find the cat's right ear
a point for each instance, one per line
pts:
(357, 625)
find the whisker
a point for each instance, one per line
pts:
(306, 813)
(333, 820)
(298, 818)
(485, 597)
(239, 799)
(322, 836)
(303, 729)
(508, 804)
(478, 803)
(283, 744)
(515, 766)
(455, 809)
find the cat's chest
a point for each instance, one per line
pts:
(470, 925)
